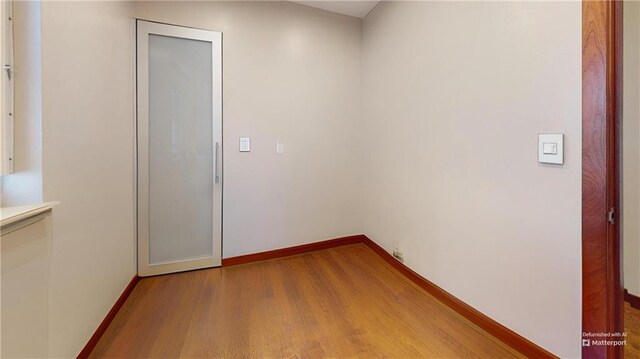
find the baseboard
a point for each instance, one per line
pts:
(107, 320)
(290, 251)
(633, 300)
(496, 329)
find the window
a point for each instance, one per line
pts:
(6, 88)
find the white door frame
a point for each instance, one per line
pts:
(144, 28)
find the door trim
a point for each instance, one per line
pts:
(602, 289)
(143, 29)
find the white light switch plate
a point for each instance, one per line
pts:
(551, 148)
(245, 144)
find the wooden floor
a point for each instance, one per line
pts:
(340, 302)
(632, 328)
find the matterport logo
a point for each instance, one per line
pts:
(590, 339)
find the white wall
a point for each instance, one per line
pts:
(293, 73)
(87, 50)
(455, 94)
(631, 148)
(63, 275)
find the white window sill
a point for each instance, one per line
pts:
(14, 218)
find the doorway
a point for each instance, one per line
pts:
(179, 143)
(630, 177)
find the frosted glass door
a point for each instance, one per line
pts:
(178, 140)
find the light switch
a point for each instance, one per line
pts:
(551, 148)
(245, 144)
(279, 147)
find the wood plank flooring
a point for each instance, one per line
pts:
(632, 328)
(340, 302)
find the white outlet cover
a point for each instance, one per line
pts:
(551, 148)
(245, 144)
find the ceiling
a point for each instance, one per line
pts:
(357, 8)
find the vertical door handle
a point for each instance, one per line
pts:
(215, 163)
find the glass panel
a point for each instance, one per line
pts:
(180, 149)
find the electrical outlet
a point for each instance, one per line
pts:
(396, 251)
(398, 255)
(245, 144)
